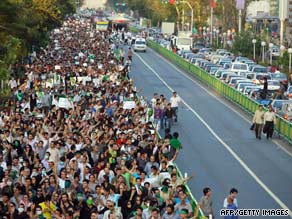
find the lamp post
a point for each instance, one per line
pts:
(271, 45)
(228, 36)
(192, 14)
(282, 49)
(217, 35)
(290, 54)
(224, 40)
(283, 14)
(211, 24)
(208, 33)
(263, 44)
(254, 41)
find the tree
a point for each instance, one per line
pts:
(242, 44)
(26, 23)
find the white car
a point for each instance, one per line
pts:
(140, 45)
(239, 67)
(272, 85)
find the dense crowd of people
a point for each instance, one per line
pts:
(83, 144)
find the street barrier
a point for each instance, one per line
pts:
(198, 214)
(282, 127)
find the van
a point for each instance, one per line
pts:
(140, 45)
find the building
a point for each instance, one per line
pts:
(274, 7)
(289, 21)
(258, 8)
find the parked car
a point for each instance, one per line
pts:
(213, 70)
(248, 89)
(283, 108)
(224, 75)
(234, 79)
(272, 85)
(258, 95)
(288, 93)
(258, 78)
(239, 67)
(227, 80)
(241, 85)
(257, 69)
(282, 77)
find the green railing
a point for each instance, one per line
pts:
(194, 203)
(197, 211)
(282, 127)
(134, 29)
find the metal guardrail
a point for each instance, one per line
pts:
(198, 214)
(282, 127)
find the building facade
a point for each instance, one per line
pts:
(274, 7)
(289, 22)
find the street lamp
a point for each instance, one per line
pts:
(290, 53)
(271, 45)
(228, 35)
(224, 40)
(263, 44)
(282, 49)
(208, 33)
(217, 34)
(204, 33)
(254, 41)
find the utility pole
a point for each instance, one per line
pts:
(211, 26)
(239, 20)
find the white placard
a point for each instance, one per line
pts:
(129, 105)
(57, 67)
(65, 103)
(49, 84)
(84, 79)
(164, 175)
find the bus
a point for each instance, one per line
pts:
(102, 25)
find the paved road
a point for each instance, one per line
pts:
(217, 143)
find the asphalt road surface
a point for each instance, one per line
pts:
(217, 143)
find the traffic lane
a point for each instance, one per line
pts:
(203, 154)
(270, 164)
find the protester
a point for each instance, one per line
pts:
(231, 203)
(175, 102)
(78, 142)
(206, 203)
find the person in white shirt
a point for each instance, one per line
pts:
(154, 99)
(231, 202)
(175, 101)
(269, 121)
(12, 83)
(54, 151)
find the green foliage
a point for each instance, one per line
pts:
(284, 60)
(283, 63)
(26, 23)
(242, 44)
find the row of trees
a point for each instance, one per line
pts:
(25, 24)
(162, 10)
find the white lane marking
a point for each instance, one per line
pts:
(227, 147)
(222, 102)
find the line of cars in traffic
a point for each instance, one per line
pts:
(245, 76)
